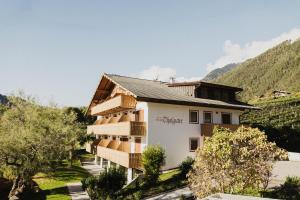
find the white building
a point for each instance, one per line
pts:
(133, 113)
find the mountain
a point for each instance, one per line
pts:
(219, 71)
(276, 69)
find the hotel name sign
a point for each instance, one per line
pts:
(169, 120)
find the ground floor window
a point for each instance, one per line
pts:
(194, 144)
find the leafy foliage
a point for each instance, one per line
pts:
(106, 185)
(276, 69)
(290, 190)
(233, 162)
(153, 158)
(166, 182)
(186, 166)
(33, 139)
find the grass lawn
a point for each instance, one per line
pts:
(54, 184)
(167, 181)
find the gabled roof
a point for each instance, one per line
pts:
(157, 91)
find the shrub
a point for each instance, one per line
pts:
(233, 162)
(186, 166)
(153, 158)
(106, 185)
(289, 190)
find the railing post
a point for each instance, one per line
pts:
(132, 147)
(101, 162)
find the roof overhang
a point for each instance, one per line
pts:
(103, 89)
(190, 103)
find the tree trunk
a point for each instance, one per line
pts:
(70, 158)
(17, 188)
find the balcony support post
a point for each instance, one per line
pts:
(129, 175)
(96, 159)
(108, 164)
(101, 162)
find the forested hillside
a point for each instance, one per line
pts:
(279, 118)
(219, 72)
(276, 69)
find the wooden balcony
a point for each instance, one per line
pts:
(119, 129)
(128, 160)
(115, 104)
(207, 129)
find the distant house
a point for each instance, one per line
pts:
(280, 93)
(133, 113)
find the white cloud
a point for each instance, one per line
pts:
(163, 74)
(235, 53)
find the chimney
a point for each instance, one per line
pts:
(172, 79)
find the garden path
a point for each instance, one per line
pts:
(75, 189)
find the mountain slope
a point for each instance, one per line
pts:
(214, 74)
(279, 118)
(276, 69)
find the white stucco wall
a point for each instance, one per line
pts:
(174, 137)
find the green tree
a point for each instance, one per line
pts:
(78, 137)
(186, 166)
(106, 185)
(233, 162)
(289, 190)
(33, 138)
(152, 159)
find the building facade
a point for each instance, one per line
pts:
(133, 113)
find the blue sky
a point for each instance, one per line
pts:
(57, 50)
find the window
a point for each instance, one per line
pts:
(226, 118)
(124, 139)
(194, 144)
(194, 119)
(207, 117)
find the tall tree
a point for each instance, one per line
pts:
(33, 138)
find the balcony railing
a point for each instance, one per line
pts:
(207, 129)
(119, 129)
(129, 160)
(116, 104)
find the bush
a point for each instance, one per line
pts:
(289, 190)
(153, 158)
(106, 185)
(186, 166)
(234, 162)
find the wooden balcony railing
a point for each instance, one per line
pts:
(116, 104)
(207, 129)
(129, 160)
(119, 129)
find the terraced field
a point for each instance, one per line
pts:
(279, 118)
(279, 112)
